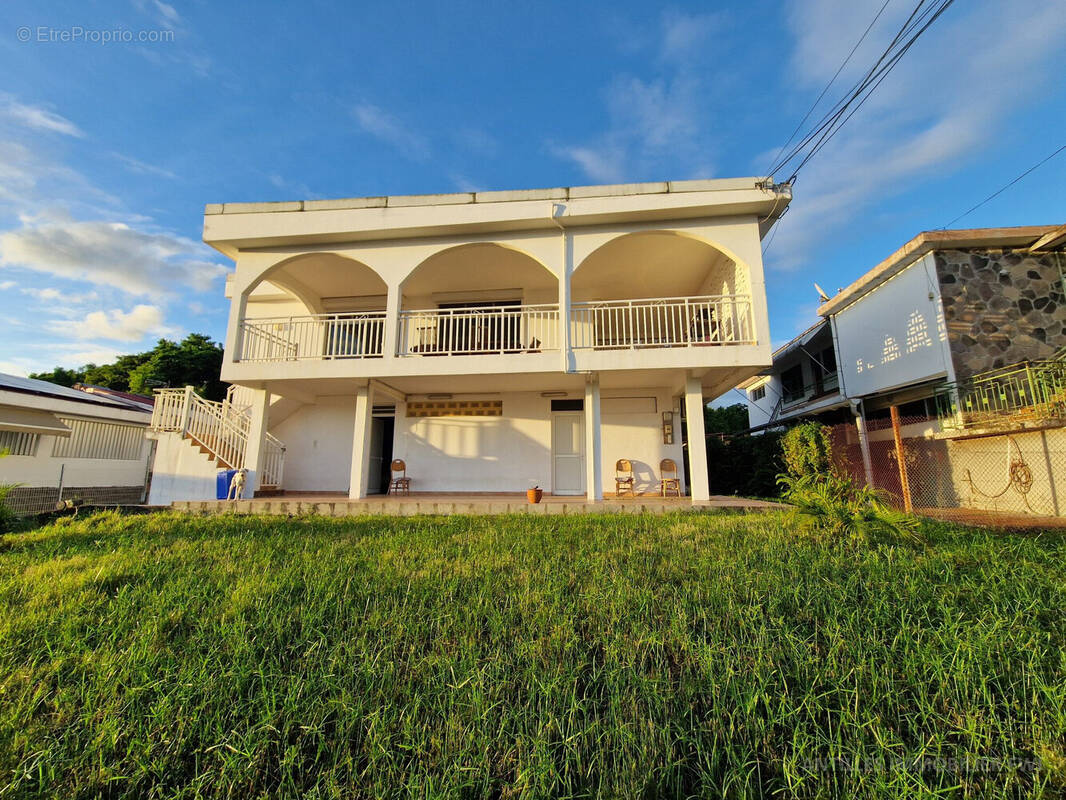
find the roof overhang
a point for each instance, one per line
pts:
(926, 242)
(231, 227)
(30, 420)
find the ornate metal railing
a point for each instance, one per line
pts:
(1027, 392)
(662, 322)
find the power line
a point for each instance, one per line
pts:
(1004, 188)
(831, 116)
(836, 74)
(827, 127)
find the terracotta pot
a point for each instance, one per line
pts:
(534, 495)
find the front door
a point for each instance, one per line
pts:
(568, 453)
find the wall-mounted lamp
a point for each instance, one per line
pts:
(553, 394)
(668, 427)
(439, 396)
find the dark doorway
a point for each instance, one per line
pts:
(381, 433)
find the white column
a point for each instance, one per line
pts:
(234, 327)
(392, 321)
(697, 442)
(257, 429)
(360, 479)
(593, 450)
(864, 444)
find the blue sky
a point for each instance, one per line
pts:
(109, 150)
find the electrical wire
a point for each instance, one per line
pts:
(1004, 188)
(919, 21)
(836, 74)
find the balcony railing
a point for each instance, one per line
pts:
(473, 330)
(321, 336)
(662, 322)
(1013, 396)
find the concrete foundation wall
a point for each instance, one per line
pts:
(181, 472)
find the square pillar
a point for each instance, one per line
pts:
(258, 413)
(360, 478)
(392, 322)
(593, 449)
(697, 442)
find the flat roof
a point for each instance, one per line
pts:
(926, 242)
(505, 196)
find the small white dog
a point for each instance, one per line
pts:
(236, 486)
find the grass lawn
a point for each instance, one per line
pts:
(685, 655)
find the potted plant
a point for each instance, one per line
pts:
(534, 494)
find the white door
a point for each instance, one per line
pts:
(568, 452)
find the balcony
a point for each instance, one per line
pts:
(486, 329)
(503, 329)
(661, 322)
(317, 337)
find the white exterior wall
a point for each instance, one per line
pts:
(894, 335)
(510, 453)
(43, 469)
(182, 472)
(318, 445)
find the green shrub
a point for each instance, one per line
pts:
(834, 507)
(7, 516)
(808, 450)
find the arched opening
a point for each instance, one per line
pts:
(478, 299)
(316, 305)
(659, 289)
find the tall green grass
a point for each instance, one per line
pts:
(610, 656)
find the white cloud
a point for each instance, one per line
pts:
(116, 325)
(653, 121)
(382, 125)
(37, 118)
(143, 168)
(110, 254)
(947, 99)
(5, 285)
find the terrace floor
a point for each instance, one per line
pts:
(339, 505)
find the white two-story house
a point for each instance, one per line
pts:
(493, 341)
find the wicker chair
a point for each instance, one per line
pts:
(668, 479)
(623, 477)
(400, 483)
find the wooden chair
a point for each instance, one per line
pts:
(668, 479)
(623, 477)
(400, 483)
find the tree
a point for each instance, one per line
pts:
(195, 361)
(728, 419)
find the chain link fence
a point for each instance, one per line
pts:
(1009, 477)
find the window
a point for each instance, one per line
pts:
(757, 394)
(792, 384)
(568, 405)
(16, 443)
(107, 440)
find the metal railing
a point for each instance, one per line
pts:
(662, 322)
(1027, 392)
(217, 427)
(473, 330)
(317, 336)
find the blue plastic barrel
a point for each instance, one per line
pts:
(222, 482)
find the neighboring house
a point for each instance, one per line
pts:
(946, 307)
(72, 444)
(964, 333)
(493, 341)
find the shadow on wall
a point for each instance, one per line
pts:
(451, 454)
